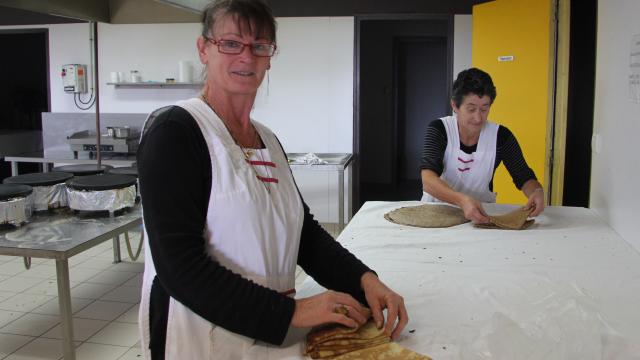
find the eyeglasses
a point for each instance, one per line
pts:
(236, 47)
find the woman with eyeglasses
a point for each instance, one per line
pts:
(225, 223)
(461, 152)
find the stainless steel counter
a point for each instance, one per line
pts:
(61, 236)
(334, 162)
(65, 156)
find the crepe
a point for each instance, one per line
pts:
(427, 216)
(335, 340)
(513, 220)
(365, 342)
(389, 351)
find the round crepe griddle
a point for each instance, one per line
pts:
(101, 182)
(427, 216)
(39, 179)
(82, 169)
(130, 170)
(10, 191)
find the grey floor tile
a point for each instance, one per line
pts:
(104, 310)
(134, 353)
(89, 351)
(31, 325)
(110, 277)
(9, 316)
(24, 302)
(39, 348)
(131, 316)
(90, 291)
(52, 307)
(10, 343)
(128, 294)
(120, 334)
(19, 283)
(82, 329)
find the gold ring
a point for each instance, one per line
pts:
(341, 309)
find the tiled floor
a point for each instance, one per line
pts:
(105, 300)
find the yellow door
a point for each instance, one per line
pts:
(512, 41)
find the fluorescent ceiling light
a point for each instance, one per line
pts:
(193, 5)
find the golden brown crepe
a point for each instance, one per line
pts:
(427, 216)
(388, 351)
(337, 339)
(513, 220)
(366, 342)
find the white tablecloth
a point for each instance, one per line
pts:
(566, 288)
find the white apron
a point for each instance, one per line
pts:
(249, 230)
(470, 174)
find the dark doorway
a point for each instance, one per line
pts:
(24, 92)
(403, 81)
(582, 69)
(421, 97)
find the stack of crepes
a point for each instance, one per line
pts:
(366, 342)
(513, 220)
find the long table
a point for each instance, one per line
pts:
(566, 288)
(61, 236)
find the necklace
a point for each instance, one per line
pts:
(247, 152)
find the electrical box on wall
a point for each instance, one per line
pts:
(74, 78)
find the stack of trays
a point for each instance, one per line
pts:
(16, 204)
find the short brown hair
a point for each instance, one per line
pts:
(254, 14)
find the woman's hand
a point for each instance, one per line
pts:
(380, 297)
(321, 309)
(473, 210)
(535, 202)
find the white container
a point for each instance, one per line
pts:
(135, 76)
(185, 72)
(114, 77)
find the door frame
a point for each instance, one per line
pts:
(359, 19)
(559, 94)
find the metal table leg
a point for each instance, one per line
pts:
(64, 301)
(349, 192)
(116, 249)
(14, 168)
(340, 199)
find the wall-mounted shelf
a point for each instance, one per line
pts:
(176, 85)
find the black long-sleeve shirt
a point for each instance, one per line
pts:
(507, 150)
(174, 169)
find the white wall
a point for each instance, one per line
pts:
(152, 49)
(462, 26)
(615, 175)
(307, 100)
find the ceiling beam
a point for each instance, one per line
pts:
(88, 10)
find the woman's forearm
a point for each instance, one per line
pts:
(436, 187)
(530, 186)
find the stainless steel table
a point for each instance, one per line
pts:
(46, 158)
(338, 162)
(59, 237)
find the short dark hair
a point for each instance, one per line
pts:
(256, 15)
(472, 81)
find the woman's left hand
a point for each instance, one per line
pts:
(380, 297)
(536, 201)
